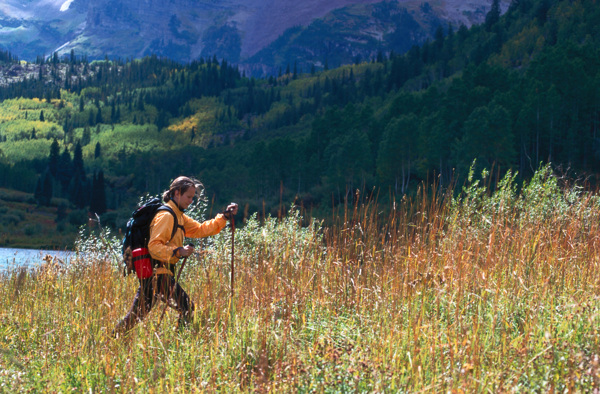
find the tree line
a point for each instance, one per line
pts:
(518, 90)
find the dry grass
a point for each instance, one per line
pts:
(483, 292)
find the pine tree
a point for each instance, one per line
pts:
(78, 167)
(37, 194)
(86, 136)
(46, 191)
(77, 190)
(98, 198)
(53, 159)
(113, 112)
(99, 116)
(97, 150)
(65, 169)
(493, 16)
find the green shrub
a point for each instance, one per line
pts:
(31, 229)
(78, 217)
(11, 218)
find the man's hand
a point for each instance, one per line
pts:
(186, 250)
(232, 210)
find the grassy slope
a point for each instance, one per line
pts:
(23, 224)
(509, 302)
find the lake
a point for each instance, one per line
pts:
(14, 258)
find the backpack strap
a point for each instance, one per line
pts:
(176, 224)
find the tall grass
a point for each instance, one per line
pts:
(486, 291)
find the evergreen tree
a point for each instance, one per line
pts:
(78, 191)
(113, 112)
(162, 120)
(397, 152)
(97, 150)
(86, 136)
(42, 116)
(65, 169)
(78, 167)
(46, 190)
(61, 212)
(99, 116)
(37, 194)
(98, 198)
(488, 138)
(54, 158)
(493, 16)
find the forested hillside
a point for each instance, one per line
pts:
(520, 89)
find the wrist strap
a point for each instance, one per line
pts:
(175, 252)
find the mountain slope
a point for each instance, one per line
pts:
(185, 29)
(519, 90)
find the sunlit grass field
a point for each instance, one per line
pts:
(487, 291)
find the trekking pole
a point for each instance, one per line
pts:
(171, 291)
(232, 254)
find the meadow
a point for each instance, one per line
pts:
(493, 288)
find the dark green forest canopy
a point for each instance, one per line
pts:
(519, 90)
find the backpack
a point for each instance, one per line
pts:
(137, 233)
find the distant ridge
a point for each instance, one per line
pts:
(245, 33)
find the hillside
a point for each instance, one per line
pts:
(185, 30)
(514, 92)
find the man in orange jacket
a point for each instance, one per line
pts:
(167, 251)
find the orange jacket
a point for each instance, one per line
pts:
(162, 247)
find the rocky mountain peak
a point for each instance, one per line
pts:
(187, 29)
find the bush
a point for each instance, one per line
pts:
(279, 241)
(78, 217)
(31, 229)
(110, 219)
(11, 218)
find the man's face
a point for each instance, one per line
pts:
(186, 198)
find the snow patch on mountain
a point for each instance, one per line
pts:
(65, 5)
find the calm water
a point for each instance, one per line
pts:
(14, 258)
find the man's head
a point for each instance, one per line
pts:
(182, 191)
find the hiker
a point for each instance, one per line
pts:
(165, 246)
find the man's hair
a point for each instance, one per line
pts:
(182, 184)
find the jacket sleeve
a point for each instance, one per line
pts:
(160, 235)
(194, 229)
